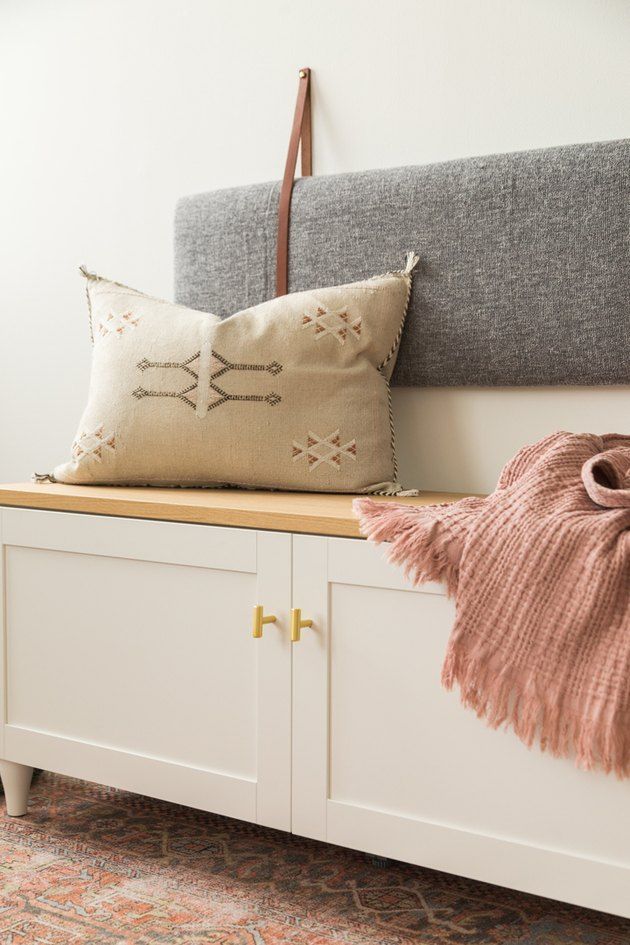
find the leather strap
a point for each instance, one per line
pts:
(301, 131)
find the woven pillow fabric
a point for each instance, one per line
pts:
(291, 394)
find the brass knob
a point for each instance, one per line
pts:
(259, 620)
(298, 624)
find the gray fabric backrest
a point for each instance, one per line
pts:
(523, 278)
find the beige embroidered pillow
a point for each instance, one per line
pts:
(290, 394)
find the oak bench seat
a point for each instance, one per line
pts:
(306, 512)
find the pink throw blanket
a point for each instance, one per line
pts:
(541, 574)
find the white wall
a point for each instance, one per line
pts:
(111, 109)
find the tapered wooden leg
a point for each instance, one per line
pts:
(16, 781)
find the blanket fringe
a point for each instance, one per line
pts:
(417, 541)
(596, 734)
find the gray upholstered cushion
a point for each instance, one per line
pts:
(524, 275)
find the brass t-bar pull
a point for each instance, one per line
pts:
(259, 620)
(298, 624)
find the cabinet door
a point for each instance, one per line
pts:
(130, 660)
(386, 761)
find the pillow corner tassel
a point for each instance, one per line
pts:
(411, 261)
(42, 477)
(90, 276)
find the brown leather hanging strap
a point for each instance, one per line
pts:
(301, 131)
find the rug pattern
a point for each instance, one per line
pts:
(95, 866)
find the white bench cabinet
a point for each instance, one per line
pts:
(129, 660)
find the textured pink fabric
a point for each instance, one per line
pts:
(540, 570)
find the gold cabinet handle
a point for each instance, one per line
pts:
(259, 620)
(298, 624)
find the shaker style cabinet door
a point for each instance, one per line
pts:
(386, 761)
(130, 659)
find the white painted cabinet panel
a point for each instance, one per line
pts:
(133, 655)
(130, 641)
(387, 761)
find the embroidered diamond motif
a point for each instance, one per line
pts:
(327, 449)
(117, 324)
(338, 324)
(92, 445)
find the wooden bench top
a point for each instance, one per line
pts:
(313, 513)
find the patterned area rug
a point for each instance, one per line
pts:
(90, 865)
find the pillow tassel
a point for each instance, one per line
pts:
(43, 477)
(411, 261)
